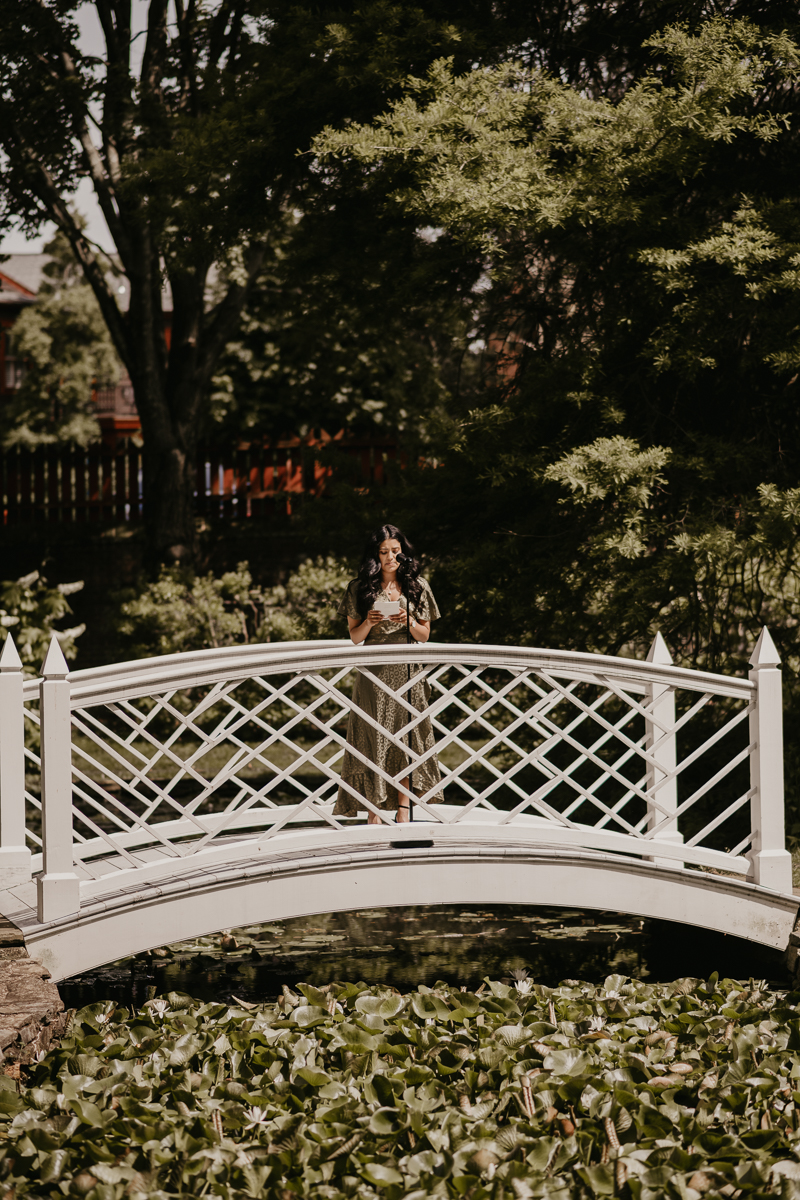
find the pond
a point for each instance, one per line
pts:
(407, 947)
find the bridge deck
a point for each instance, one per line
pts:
(392, 868)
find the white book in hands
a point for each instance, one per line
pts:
(387, 608)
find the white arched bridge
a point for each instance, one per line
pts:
(151, 801)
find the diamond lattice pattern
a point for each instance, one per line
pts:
(253, 757)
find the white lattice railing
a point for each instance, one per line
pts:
(154, 767)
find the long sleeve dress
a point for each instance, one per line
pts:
(387, 713)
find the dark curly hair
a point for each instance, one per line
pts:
(369, 577)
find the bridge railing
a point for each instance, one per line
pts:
(154, 768)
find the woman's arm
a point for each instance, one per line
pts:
(359, 629)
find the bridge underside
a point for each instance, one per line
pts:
(386, 875)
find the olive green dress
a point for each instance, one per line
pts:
(388, 713)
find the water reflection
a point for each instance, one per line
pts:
(406, 947)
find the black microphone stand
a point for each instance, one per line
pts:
(408, 692)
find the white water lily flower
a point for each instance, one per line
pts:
(524, 986)
(596, 1023)
(257, 1118)
(159, 1007)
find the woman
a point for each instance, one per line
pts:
(382, 577)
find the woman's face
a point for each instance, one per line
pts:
(387, 554)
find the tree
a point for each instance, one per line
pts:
(67, 349)
(641, 316)
(632, 462)
(355, 322)
(195, 158)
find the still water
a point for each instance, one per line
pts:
(406, 947)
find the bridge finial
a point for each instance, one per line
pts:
(9, 655)
(55, 665)
(765, 653)
(659, 650)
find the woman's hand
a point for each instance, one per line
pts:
(420, 630)
(374, 617)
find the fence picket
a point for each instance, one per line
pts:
(105, 483)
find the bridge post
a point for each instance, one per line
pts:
(15, 857)
(58, 887)
(771, 861)
(661, 703)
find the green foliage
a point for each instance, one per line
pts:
(177, 613)
(631, 461)
(505, 148)
(640, 254)
(67, 350)
(29, 610)
(580, 1090)
(353, 323)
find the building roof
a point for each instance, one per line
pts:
(25, 269)
(19, 280)
(21, 276)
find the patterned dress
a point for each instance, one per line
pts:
(388, 713)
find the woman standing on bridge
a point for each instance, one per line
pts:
(383, 577)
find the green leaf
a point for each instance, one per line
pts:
(383, 1121)
(566, 1062)
(429, 1007)
(380, 1175)
(313, 1076)
(185, 1049)
(306, 1015)
(599, 1179)
(357, 1039)
(179, 1001)
(53, 1165)
(89, 1113)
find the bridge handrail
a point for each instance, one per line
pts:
(140, 677)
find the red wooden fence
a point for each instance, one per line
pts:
(101, 483)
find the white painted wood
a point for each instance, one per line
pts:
(58, 886)
(771, 861)
(483, 831)
(15, 856)
(104, 685)
(662, 782)
(256, 892)
(510, 712)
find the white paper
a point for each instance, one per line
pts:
(389, 608)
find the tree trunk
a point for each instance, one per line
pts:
(170, 470)
(168, 385)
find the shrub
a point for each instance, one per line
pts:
(178, 613)
(29, 610)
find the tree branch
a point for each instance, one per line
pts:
(216, 38)
(46, 191)
(221, 320)
(186, 19)
(153, 58)
(104, 188)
